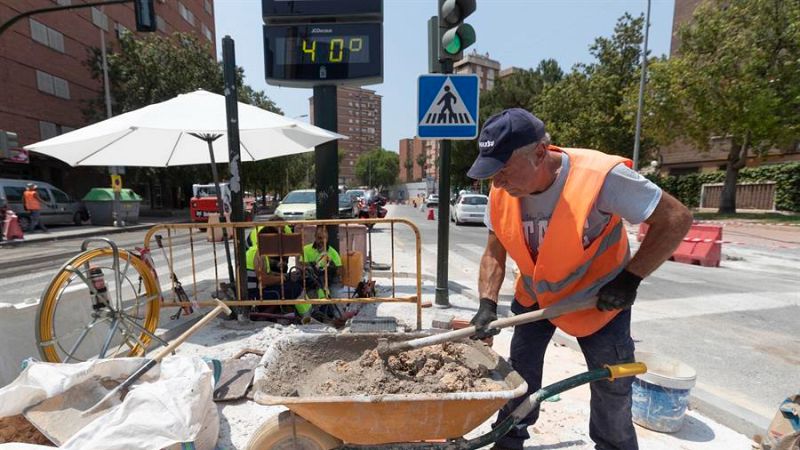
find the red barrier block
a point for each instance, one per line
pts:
(701, 245)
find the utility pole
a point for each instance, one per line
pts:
(642, 81)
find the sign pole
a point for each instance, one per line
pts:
(442, 299)
(326, 160)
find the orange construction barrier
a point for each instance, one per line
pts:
(702, 245)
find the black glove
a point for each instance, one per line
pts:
(486, 314)
(618, 293)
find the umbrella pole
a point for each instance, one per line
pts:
(221, 208)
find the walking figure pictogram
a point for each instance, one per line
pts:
(447, 98)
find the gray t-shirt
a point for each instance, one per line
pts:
(624, 193)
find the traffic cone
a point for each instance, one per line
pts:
(430, 214)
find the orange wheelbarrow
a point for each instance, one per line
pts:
(395, 421)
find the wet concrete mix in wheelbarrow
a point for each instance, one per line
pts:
(441, 368)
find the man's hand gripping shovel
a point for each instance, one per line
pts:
(387, 349)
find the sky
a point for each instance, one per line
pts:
(516, 33)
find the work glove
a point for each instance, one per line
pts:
(486, 314)
(618, 293)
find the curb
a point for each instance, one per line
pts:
(714, 407)
(87, 233)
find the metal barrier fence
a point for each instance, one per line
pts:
(281, 244)
(756, 196)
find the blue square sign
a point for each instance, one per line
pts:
(447, 106)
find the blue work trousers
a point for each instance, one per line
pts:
(610, 425)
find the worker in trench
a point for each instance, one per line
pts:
(558, 214)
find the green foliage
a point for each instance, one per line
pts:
(588, 108)
(686, 188)
(378, 168)
(736, 74)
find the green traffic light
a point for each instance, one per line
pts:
(454, 46)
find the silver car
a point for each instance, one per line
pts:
(57, 206)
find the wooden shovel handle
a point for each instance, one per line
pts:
(550, 312)
(185, 335)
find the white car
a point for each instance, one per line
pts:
(469, 208)
(298, 205)
(432, 200)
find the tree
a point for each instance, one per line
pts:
(152, 69)
(587, 108)
(736, 77)
(409, 166)
(422, 162)
(378, 168)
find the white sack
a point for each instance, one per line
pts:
(172, 403)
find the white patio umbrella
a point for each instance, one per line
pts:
(183, 131)
(159, 135)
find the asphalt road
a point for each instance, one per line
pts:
(736, 324)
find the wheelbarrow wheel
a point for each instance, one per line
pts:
(288, 431)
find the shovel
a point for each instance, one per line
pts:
(387, 349)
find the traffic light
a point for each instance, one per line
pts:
(455, 35)
(8, 140)
(145, 15)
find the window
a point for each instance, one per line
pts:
(45, 35)
(64, 2)
(206, 31)
(99, 19)
(13, 194)
(43, 194)
(185, 13)
(207, 6)
(60, 196)
(50, 129)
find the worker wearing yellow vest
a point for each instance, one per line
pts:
(260, 272)
(316, 254)
(558, 214)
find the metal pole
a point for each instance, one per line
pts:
(234, 156)
(326, 160)
(113, 170)
(641, 91)
(443, 238)
(210, 139)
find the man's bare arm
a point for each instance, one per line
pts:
(493, 268)
(669, 223)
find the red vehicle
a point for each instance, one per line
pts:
(204, 202)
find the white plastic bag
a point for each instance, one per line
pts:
(171, 404)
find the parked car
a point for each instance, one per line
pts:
(469, 208)
(348, 206)
(298, 205)
(355, 194)
(57, 206)
(432, 201)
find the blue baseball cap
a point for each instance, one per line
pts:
(503, 133)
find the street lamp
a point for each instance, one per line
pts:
(642, 81)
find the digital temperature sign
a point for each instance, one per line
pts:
(303, 55)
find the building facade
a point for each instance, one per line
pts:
(358, 113)
(683, 157)
(412, 152)
(487, 69)
(46, 83)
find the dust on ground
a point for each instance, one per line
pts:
(437, 369)
(18, 429)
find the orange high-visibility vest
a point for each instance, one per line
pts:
(564, 269)
(30, 200)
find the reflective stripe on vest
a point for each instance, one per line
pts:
(555, 286)
(563, 267)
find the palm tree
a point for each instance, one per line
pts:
(422, 159)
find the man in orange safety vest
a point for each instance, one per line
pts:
(557, 212)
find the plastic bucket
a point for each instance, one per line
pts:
(661, 395)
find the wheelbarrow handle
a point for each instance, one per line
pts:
(559, 309)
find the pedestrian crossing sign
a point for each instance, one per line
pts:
(447, 106)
